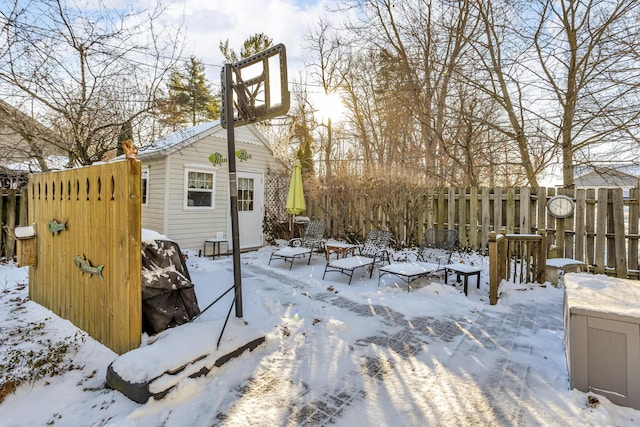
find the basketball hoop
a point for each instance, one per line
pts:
(260, 87)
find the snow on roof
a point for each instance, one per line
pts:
(179, 138)
(31, 165)
(184, 137)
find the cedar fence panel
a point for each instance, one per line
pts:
(101, 208)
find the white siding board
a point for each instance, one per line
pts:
(152, 214)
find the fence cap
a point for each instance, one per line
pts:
(25, 232)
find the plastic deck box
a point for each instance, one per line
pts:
(602, 336)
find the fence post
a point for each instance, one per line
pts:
(494, 268)
(620, 241)
(542, 257)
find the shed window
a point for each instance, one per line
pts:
(199, 189)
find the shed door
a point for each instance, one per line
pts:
(250, 208)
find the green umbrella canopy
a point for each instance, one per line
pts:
(295, 198)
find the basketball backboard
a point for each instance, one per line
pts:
(260, 87)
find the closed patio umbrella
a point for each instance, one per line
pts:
(295, 197)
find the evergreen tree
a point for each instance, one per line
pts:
(189, 99)
(254, 44)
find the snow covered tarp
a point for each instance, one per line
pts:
(168, 297)
(174, 354)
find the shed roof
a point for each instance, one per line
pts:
(185, 137)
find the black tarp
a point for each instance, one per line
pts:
(168, 296)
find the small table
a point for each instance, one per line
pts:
(465, 270)
(340, 248)
(216, 247)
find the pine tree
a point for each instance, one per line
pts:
(189, 98)
(254, 44)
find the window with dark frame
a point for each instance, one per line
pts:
(145, 186)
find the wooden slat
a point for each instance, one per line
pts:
(611, 244)
(619, 234)
(580, 225)
(525, 221)
(445, 208)
(473, 217)
(486, 217)
(10, 223)
(633, 219)
(463, 237)
(601, 229)
(498, 223)
(590, 227)
(511, 210)
(541, 220)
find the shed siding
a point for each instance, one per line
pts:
(152, 213)
(190, 227)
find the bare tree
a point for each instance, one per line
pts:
(326, 71)
(88, 72)
(587, 54)
(499, 75)
(400, 66)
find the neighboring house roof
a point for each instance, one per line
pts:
(608, 176)
(31, 165)
(183, 138)
(14, 148)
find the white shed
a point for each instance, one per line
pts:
(186, 196)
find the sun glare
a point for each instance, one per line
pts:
(329, 106)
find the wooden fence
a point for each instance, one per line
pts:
(100, 208)
(13, 211)
(603, 230)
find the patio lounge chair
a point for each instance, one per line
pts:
(433, 255)
(371, 253)
(299, 247)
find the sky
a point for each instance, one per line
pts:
(209, 22)
(364, 354)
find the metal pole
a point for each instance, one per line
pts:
(233, 188)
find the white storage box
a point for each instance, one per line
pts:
(602, 336)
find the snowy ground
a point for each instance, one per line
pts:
(358, 355)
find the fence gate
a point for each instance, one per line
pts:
(88, 249)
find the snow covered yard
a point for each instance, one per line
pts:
(334, 355)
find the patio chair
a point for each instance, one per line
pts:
(438, 246)
(299, 247)
(432, 256)
(372, 252)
